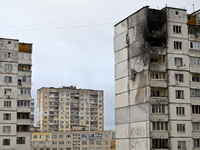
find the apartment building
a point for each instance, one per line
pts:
(73, 140)
(32, 112)
(15, 94)
(69, 108)
(157, 80)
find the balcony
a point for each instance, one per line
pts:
(159, 100)
(93, 105)
(157, 50)
(158, 83)
(196, 134)
(159, 117)
(159, 134)
(23, 109)
(157, 67)
(195, 85)
(23, 121)
(195, 68)
(195, 117)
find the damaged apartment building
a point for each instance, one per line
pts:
(157, 80)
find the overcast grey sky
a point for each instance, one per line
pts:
(73, 40)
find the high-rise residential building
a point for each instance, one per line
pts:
(15, 94)
(69, 108)
(32, 112)
(157, 80)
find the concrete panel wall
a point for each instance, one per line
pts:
(121, 100)
(121, 55)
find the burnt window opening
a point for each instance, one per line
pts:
(159, 143)
(177, 45)
(158, 92)
(157, 42)
(157, 58)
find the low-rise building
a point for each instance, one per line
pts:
(75, 140)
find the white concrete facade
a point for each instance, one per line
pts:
(157, 80)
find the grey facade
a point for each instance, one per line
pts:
(15, 97)
(157, 80)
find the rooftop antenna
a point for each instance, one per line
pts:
(193, 7)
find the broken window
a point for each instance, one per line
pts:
(180, 111)
(177, 29)
(22, 128)
(22, 115)
(194, 45)
(195, 109)
(24, 67)
(179, 94)
(178, 61)
(158, 92)
(157, 58)
(195, 93)
(158, 75)
(160, 126)
(179, 77)
(159, 143)
(194, 61)
(8, 55)
(23, 103)
(158, 109)
(181, 145)
(180, 127)
(195, 77)
(196, 126)
(24, 79)
(196, 142)
(26, 56)
(7, 91)
(177, 45)
(6, 116)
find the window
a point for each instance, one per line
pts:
(7, 79)
(6, 116)
(195, 93)
(157, 92)
(196, 126)
(24, 91)
(178, 61)
(158, 75)
(194, 61)
(34, 143)
(98, 148)
(84, 142)
(160, 126)
(24, 79)
(20, 140)
(98, 142)
(177, 29)
(68, 142)
(195, 109)
(84, 148)
(180, 127)
(177, 45)
(61, 136)
(91, 142)
(41, 136)
(6, 141)
(35, 136)
(61, 142)
(8, 55)
(159, 143)
(54, 148)
(47, 136)
(22, 67)
(180, 110)
(179, 77)
(41, 148)
(26, 56)
(157, 58)
(179, 94)
(70, 149)
(54, 142)
(7, 103)
(181, 145)
(7, 91)
(194, 45)
(195, 77)
(6, 129)
(196, 142)
(24, 103)
(8, 67)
